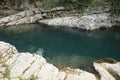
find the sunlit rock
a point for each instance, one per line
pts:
(104, 74)
(88, 22)
(80, 75)
(48, 72)
(114, 69)
(6, 50)
(36, 65)
(31, 19)
(28, 16)
(22, 64)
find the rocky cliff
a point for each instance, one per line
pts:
(15, 65)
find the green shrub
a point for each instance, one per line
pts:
(68, 4)
(7, 74)
(32, 77)
(50, 4)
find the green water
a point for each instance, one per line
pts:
(69, 47)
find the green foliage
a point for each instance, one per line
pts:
(7, 74)
(17, 4)
(115, 9)
(68, 4)
(72, 4)
(14, 2)
(4, 65)
(32, 77)
(50, 4)
(79, 4)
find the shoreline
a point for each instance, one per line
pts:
(36, 66)
(87, 22)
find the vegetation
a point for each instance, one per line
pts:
(32, 77)
(107, 60)
(68, 4)
(7, 74)
(81, 3)
(65, 3)
(115, 7)
(4, 65)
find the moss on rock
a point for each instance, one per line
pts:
(107, 60)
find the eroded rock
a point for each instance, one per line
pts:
(6, 51)
(88, 22)
(104, 74)
(28, 16)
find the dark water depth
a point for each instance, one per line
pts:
(69, 47)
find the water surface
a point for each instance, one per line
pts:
(65, 46)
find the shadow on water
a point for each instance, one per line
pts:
(65, 46)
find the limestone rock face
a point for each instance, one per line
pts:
(28, 16)
(6, 50)
(108, 71)
(27, 66)
(88, 22)
(80, 75)
(31, 19)
(105, 75)
(65, 21)
(49, 71)
(112, 67)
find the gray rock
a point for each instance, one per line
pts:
(88, 22)
(31, 19)
(28, 16)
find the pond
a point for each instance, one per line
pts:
(65, 46)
